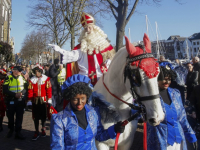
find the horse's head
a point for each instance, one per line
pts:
(142, 71)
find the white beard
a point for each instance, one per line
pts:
(93, 41)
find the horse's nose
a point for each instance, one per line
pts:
(152, 120)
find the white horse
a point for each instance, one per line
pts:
(114, 80)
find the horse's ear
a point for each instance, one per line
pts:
(130, 47)
(147, 43)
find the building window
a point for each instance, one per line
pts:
(195, 50)
(197, 43)
(6, 15)
(194, 43)
(3, 10)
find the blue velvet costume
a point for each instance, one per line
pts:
(67, 135)
(174, 126)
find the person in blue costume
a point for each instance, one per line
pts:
(170, 134)
(79, 125)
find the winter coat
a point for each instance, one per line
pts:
(53, 74)
(47, 73)
(67, 135)
(174, 128)
(191, 82)
(195, 99)
(197, 68)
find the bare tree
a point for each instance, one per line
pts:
(6, 52)
(122, 11)
(72, 10)
(34, 45)
(46, 14)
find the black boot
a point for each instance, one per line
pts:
(10, 133)
(18, 135)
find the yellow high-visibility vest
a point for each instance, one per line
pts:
(61, 76)
(15, 85)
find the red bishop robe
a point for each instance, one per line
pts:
(91, 65)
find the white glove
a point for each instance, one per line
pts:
(57, 48)
(50, 101)
(70, 56)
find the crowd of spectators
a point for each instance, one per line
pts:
(56, 72)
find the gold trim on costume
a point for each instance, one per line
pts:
(30, 87)
(48, 85)
(108, 55)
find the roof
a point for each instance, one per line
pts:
(195, 36)
(172, 37)
(181, 38)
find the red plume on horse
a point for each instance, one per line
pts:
(146, 63)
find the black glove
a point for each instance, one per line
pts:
(119, 128)
(195, 145)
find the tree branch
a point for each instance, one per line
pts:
(132, 11)
(113, 12)
(111, 4)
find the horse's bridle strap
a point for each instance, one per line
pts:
(139, 57)
(114, 94)
(146, 98)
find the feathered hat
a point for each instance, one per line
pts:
(37, 66)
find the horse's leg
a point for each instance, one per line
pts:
(102, 146)
(126, 146)
(129, 136)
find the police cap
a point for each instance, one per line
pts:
(17, 68)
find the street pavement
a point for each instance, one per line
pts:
(43, 142)
(28, 130)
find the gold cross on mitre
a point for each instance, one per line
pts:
(86, 19)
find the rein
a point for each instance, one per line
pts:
(129, 104)
(125, 122)
(114, 94)
(134, 94)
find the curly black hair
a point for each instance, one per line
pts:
(164, 72)
(77, 88)
(38, 69)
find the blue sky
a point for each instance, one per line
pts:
(172, 19)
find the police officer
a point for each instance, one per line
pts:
(61, 75)
(15, 88)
